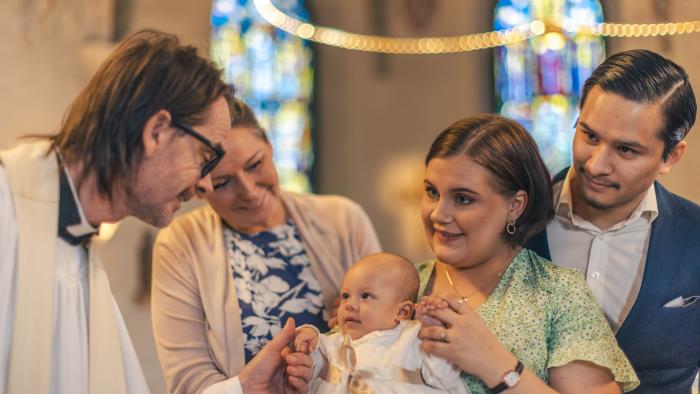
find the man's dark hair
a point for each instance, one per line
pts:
(646, 77)
(507, 150)
(147, 72)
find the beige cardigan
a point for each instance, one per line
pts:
(196, 317)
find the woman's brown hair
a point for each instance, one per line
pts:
(507, 150)
(243, 116)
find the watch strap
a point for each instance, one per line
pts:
(503, 385)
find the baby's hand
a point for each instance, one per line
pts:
(305, 340)
(428, 304)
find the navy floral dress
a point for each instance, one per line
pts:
(274, 281)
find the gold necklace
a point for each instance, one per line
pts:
(463, 299)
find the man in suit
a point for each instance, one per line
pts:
(637, 244)
(140, 139)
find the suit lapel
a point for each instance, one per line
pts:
(660, 269)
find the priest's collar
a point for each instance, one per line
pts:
(73, 227)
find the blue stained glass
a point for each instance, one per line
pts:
(511, 13)
(582, 13)
(272, 72)
(219, 20)
(538, 82)
(513, 71)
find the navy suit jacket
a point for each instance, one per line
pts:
(663, 344)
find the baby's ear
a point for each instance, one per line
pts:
(405, 311)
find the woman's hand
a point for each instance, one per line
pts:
(463, 338)
(305, 340)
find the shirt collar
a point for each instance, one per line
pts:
(564, 207)
(73, 227)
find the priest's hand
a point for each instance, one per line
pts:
(276, 369)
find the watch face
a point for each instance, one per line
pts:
(511, 379)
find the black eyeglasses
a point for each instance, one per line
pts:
(218, 150)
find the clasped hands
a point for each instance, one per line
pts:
(277, 368)
(455, 332)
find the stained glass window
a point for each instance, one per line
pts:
(539, 82)
(272, 73)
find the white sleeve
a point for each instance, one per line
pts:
(228, 386)
(8, 250)
(318, 333)
(318, 360)
(439, 373)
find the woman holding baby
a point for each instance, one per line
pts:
(507, 318)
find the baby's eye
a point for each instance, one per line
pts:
(345, 295)
(365, 295)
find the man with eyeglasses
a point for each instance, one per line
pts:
(139, 140)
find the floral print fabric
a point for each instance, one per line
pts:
(547, 317)
(273, 280)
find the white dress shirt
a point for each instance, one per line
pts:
(69, 360)
(612, 260)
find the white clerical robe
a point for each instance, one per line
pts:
(70, 366)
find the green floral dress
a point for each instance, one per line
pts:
(547, 317)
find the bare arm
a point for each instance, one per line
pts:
(470, 345)
(583, 377)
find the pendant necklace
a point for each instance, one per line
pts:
(463, 299)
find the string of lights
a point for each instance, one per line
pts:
(463, 43)
(643, 30)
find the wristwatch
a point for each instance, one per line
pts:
(510, 379)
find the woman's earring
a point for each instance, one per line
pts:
(510, 227)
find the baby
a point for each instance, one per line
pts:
(377, 349)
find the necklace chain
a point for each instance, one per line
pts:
(463, 298)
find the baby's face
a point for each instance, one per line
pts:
(368, 301)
